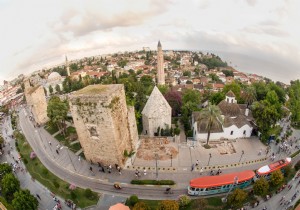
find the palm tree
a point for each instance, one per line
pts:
(249, 94)
(129, 154)
(211, 117)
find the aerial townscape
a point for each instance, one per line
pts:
(152, 128)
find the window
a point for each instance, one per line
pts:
(244, 132)
(231, 133)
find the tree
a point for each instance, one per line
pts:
(57, 111)
(276, 178)
(187, 74)
(9, 184)
(184, 201)
(147, 81)
(216, 98)
(24, 200)
(4, 169)
(57, 88)
(228, 73)
(261, 187)
(237, 198)
(50, 89)
(141, 206)
(211, 117)
(235, 88)
(133, 199)
(248, 94)
(168, 205)
(175, 101)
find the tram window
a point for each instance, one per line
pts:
(197, 189)
(193, 189)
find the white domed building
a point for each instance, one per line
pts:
(53, 80)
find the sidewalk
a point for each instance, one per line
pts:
(46, 202)
(182, 163)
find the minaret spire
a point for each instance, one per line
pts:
(67, 66)
(160, 65)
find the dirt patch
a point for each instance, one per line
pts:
(160, 146)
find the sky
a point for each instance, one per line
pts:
(255, 36)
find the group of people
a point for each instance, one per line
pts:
(138, 173)
(108, 168)
(57, 205)
(217, 173)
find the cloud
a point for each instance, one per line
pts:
(251, 2)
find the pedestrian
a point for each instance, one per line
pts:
(211, 172)
(145, 172)
(193, 166)
(116, 165)
(103, 170)
(91, 169)
(37, 195)
(119, 169)
(50, 143)
(57, 152)
(99, 164)
(201, 170)
(79, 158)
(197, 163)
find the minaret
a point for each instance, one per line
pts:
(67, 65)
(160, 65)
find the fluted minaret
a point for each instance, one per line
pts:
(67, 66)
(160, 65)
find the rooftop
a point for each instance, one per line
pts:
(97, 89)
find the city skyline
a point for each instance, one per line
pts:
(256, 36)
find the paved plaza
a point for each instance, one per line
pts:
(178, 168)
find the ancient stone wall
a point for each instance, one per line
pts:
(133, 127)
(36, 100)
(101, 119)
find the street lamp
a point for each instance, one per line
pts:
(156, 157)
(209, 159)
(171, 159)
(241, 155)
(235, 182)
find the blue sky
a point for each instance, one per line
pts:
(260, 36)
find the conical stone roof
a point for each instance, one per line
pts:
(156, 105)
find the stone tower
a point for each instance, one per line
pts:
(105, 127)
(36, 101)
(156, 113)
(67, 66)
(160, 65)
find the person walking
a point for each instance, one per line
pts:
(38, 196)
(193, 166)
(57, 152)
(145, 172)
(201, 170)
(119, 169)
(197, 163)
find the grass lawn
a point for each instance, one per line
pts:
(75, 147)
(51, 129)
(56, 185)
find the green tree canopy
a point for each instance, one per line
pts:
(4, 169)
(261, 187)
(9, 185)
(168, 205)
(235, 88)
(57, 111)
(294, 102)
(141, 206)
(237, 198)
(24, 200)
(50, 89)
(276, 178)
(211, 117)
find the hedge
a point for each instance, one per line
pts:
(295, 154)
(153, 182)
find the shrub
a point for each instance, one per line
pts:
(56, 184)
(133, 200)
(153, 182)
(32, 155)
(73, 195)
(25, 160)
(184, 201)
(295, 154)
(141, 206)
(297, 166)
(168, 205)
(206, 146)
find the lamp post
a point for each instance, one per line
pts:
(156, 157)
(235, 182)
(209, 159)
(241, 155)
(171, 159)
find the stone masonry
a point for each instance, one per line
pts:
(36, 101)
(104, 125)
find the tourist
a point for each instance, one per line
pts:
(37, 195)
(119, 169)
(57, 152)
(193, 166)
(197, 163)
(91, 169)
(50, 143)
(145, 172)
(79, 158)
(201, 170)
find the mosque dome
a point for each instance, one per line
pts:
(54, 76)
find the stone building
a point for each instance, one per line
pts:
(67, 66)
(36, 101)
(104, 124)
(53, 80)
(237, 121)
(160, 65)
(156, 113)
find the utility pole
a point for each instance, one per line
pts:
(70, 159)
(241, 156)
(209, 159)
